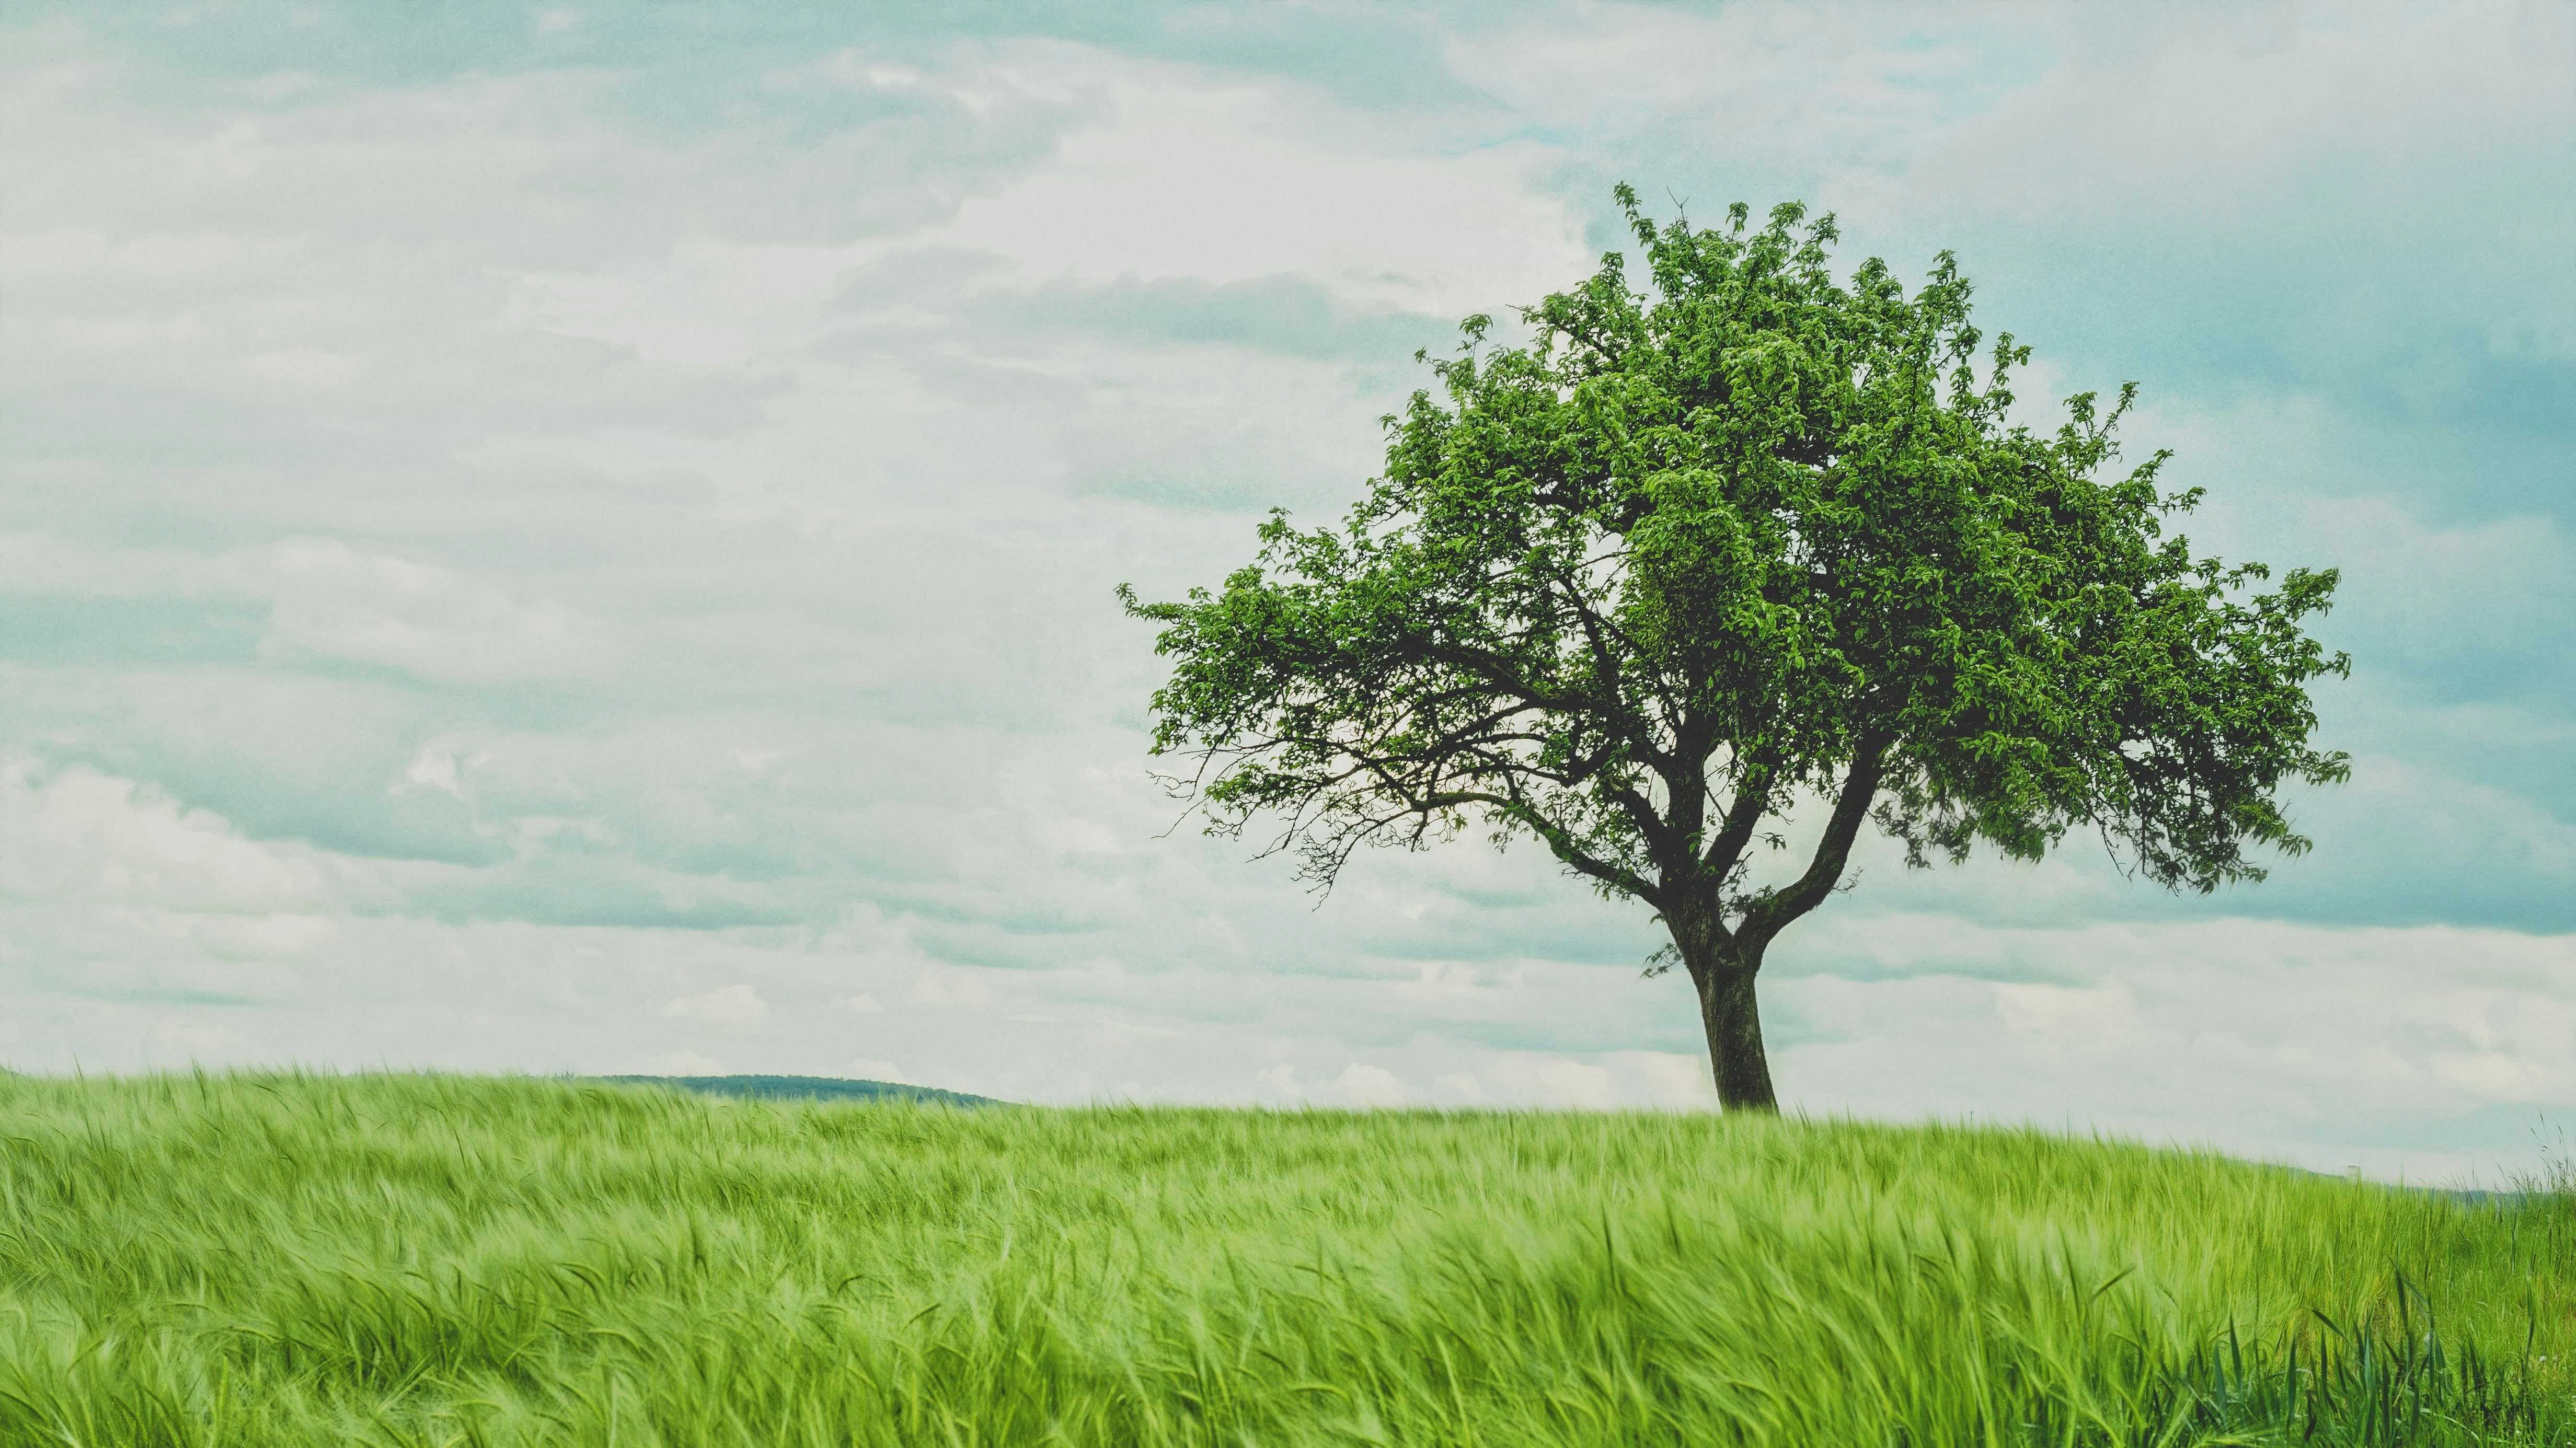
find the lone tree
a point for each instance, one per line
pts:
(1757, 546)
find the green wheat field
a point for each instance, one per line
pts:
(436, 1260)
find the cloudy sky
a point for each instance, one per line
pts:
(582, 539)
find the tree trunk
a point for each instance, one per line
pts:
(1734, 1025)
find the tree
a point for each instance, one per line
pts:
(1756, 551)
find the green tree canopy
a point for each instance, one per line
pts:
(1757, 545)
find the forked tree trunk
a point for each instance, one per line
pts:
(1734, 1025)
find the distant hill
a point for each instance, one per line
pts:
(800, 1088)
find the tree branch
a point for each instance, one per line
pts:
(1776, 909)
(1558, 841)
(1743, 815)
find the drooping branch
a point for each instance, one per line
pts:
(1561, 843)
(1340, 787)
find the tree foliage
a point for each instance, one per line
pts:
(1760, 540)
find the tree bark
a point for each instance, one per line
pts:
(1734, 1025)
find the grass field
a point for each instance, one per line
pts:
(392, 1259)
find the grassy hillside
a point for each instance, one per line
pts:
(450, 1261)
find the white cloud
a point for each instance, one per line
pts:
(35, 564)
(434, 770)
(81, 835)
(1673, 1079)
(1451, 982)
(305, 367)
(2063, 1015)
(871, 1069)
(1799, 82)
(441, 767)
(1462, 1085)
(1365, 1085)
(683, 1063)
(705, 302)
(1224, 179)
(951, 991)
(2196, 116)
(1557, 1081)
(2497, 1076)
(336, 602)
(59, 256)
(197, 1041)
(862, 1004)
(264, 937)
(731, 1005)
(874, 940)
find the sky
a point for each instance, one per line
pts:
(582, 539)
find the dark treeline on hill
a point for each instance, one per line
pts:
(800, 1088)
